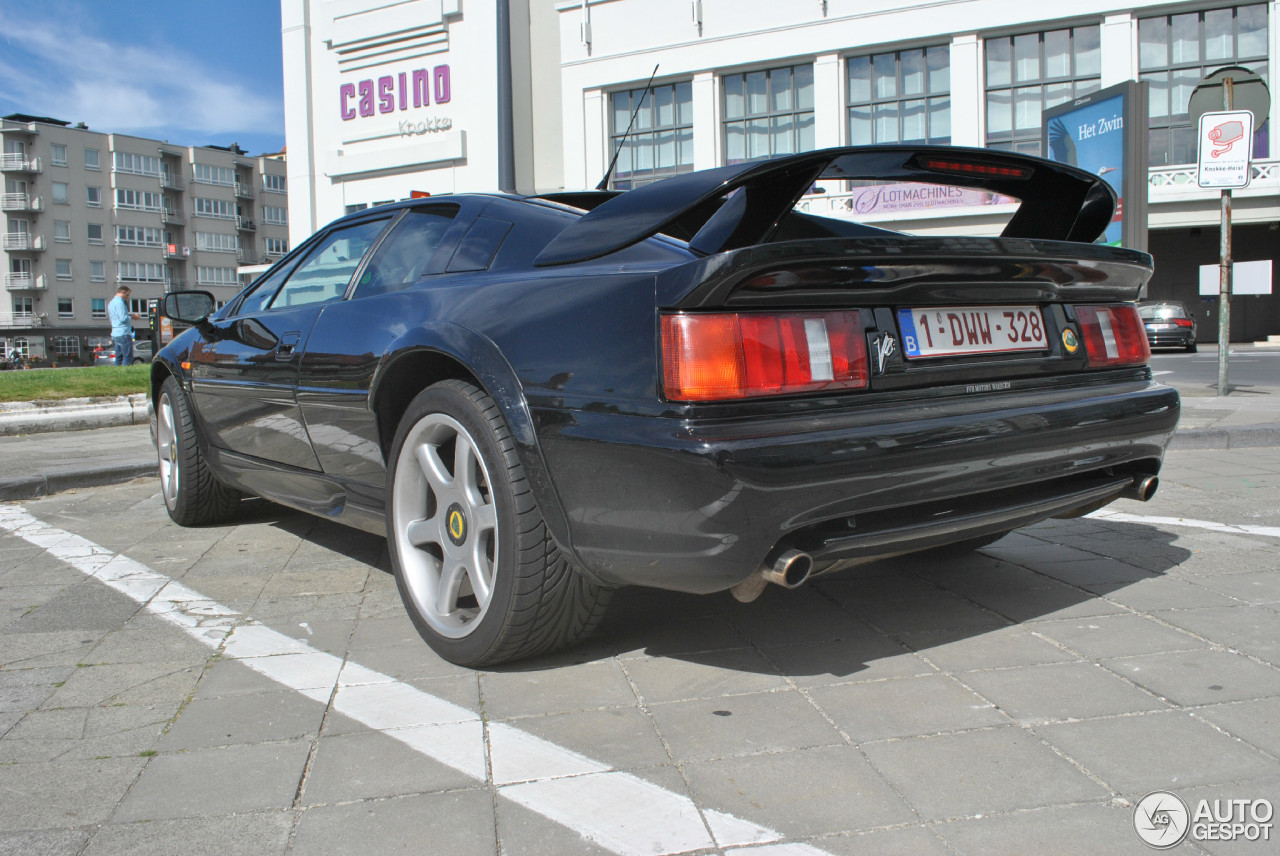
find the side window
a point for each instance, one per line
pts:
(404, 256)
(266, 288)
(328, 268)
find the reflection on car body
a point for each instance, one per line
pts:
(691, 385)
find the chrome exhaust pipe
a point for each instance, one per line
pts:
(790, 570)
(1142, 489)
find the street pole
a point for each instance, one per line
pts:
(1224, 264)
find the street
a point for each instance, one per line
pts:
(1249, 369)
(258, 689)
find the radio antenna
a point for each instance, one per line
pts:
(604, 182)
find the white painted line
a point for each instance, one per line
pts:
(1121, 517)
(614, 809)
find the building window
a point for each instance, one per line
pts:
(60, 193)
(206, 275)
(140, 236)
(768, 113)
(95, 233)
(93, 197)
(57, 154)
(91, 159)
(62, 231)
(274, 246)
(203, 173)
(65, 346)
(24, 309)
(661, 139)
(66, 307)
(97, 271)
(275, 216)
(98, 307)
(142, 200)
(1027, 74)
(901, 97)
(222, 209)
(140, 272)
(354, 207)
(139, 306)
(137, 164)
(273, 183)
(217, 242)
(1176, 51)
(62, 268)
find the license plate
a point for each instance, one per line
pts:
(948, 331)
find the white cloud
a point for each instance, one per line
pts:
(135, 88)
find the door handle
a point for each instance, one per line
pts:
(288, 343)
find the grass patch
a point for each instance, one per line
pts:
(89, 382)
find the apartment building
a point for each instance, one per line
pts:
(86, 211)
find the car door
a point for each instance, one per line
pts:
(245, 374)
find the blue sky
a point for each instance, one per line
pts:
(192, 72)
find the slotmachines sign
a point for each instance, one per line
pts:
(407, 90)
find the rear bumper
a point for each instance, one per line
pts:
(1171, 338)
(696, 506)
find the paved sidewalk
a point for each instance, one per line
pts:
(39, 464)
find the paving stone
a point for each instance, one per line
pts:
(1252, 629)
(455, 823)
(1053, 600)
(1200, 677)
(804, 793)
(208, 722)
(51, 842)
(1087, 829)
(994, 649)
(264, 834)
(1156, 751)
(583, 687)
(1115, 635)
(622, 738)
(87, 732)
(867, 657)
(788, 617)
(979, 772)
(523, 832)
(904, 707)
(1060, 692)
(1255, 722)
(704, 675)
(126, 683)
(740, 725)
(1165, 593)
(369, 765)
(910, 841)
(59, 794)
(83, 607)
(216, 781)
(1258, 587)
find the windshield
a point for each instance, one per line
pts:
(1163, 311)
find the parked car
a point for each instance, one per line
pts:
(1168, 324)
(142, 353)
(690, 385)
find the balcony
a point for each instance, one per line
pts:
(23, 282)
(245, 257)
(244, 191)
(174, 284)
(20, 202)
(173, 251)
(12, 162)
(170, 181)
(245, 225)
(22, 242)
(172, 216)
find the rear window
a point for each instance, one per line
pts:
(1162, 311)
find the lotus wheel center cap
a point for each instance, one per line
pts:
(456, 524)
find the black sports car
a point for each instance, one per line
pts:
(691, 385)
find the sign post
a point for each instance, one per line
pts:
(1224, 160)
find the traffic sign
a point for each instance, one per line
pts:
(1249, 92)
(1224, 146)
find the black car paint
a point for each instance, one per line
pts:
(571, 358)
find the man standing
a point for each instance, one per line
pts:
(121, 326)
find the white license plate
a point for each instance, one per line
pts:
(948, 331)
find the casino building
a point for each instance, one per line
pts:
(438, 96)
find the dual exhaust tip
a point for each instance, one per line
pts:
(791, 568)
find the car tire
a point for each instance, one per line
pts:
(192, 494)
(479, 574)
(1191, 349)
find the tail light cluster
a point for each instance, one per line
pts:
(728, 355)
(1113, 335)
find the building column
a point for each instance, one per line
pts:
(706, 121)
(1119, 44)
(828, 101)
(967, 82)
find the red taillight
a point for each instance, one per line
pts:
(1183, 322)
(1113, 335)
(974, 168)
(731, 355)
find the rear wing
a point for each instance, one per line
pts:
(737, 206)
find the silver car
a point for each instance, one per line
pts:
(143, 351)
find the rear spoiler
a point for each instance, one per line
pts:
(1059, 202)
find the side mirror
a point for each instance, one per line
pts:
(189, 307)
